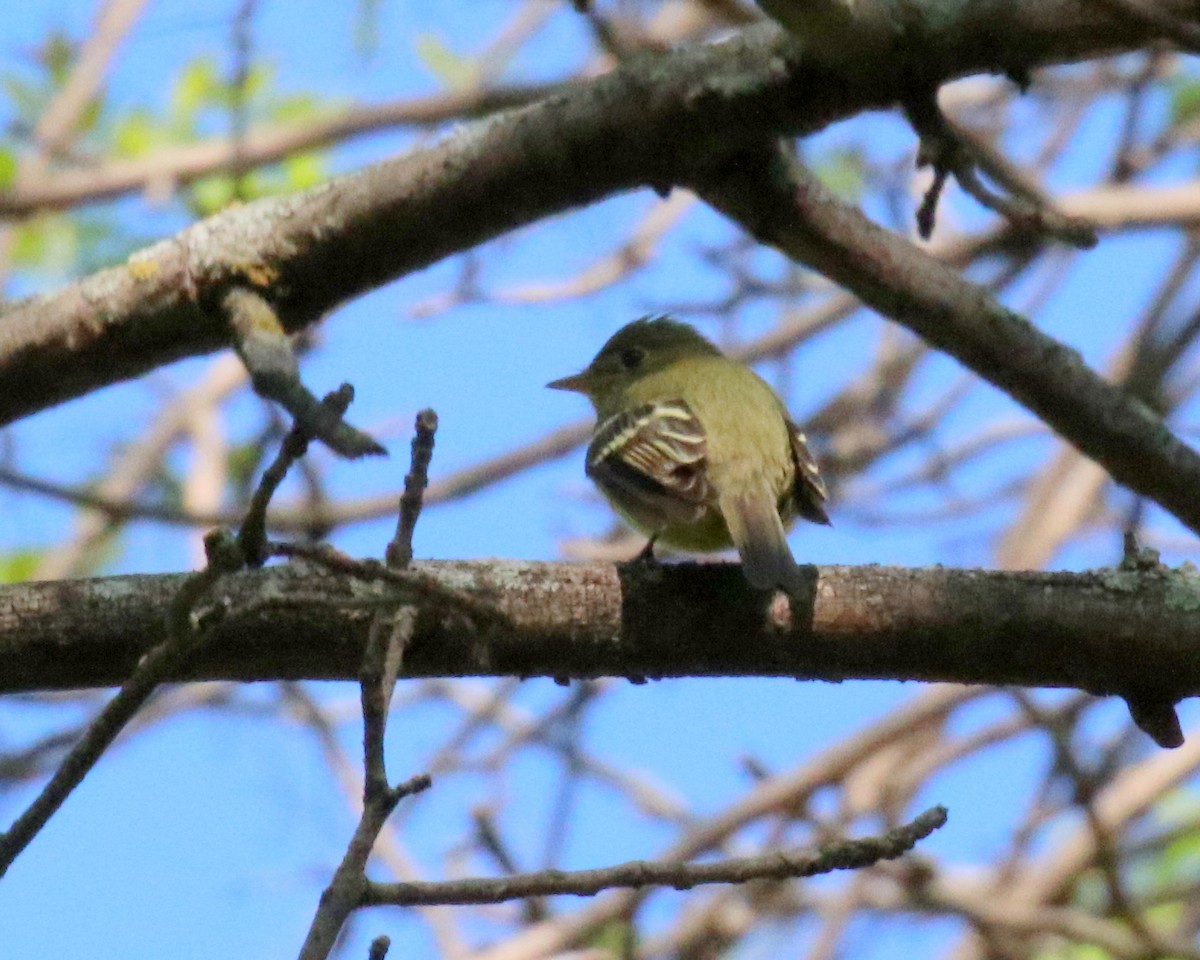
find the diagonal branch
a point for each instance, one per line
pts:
(183, 632)
(782, 204)
(56, 126)
(652, 120)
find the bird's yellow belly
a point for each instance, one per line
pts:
(706, 535)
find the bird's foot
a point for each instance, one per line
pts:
(647, 553)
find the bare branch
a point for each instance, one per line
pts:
(262, 345)
(180, 165)
(782, 864)
(252, 537)
(346, 889)
(1109, 631)
(185, 634)
(400, 550)
(782, 204)
(56, 126)
(319, 248)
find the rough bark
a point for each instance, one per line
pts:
(652, 122)
(1106, 631)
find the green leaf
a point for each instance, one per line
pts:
(8, 168)
(1079, 951)
(298, 107)
(1180, 858)
(1185, 100)
(28, 99)
(242, 466)
(136, 134)
(260, 78)
(617, 936)
(57, 56)
(89, 119)
(49, 243)
(844, 172)
(198, 86)
(305, 170)
(20, 565)
(63, 245)
(211, 194)
(454, 71)
(102, 242)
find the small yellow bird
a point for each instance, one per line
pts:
(696, 450)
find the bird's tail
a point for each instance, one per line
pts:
(757, 532)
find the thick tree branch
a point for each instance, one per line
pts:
(649, 122)
(784, 205)
(1108, 631)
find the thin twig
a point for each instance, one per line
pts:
(1085, 785)
(390, 634)
(252, 537)
(453, 486)
(784, 205)
(180, 165)
(850, 854)
(242, 42)
(388, 849)
(417, 583)
(262, 344)
(83, 85)
(391, 631)
(346, 889)
(948, 152)
(400, 551)
(185, 635)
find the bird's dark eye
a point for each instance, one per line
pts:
(632, 357)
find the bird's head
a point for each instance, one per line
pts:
(639, 348)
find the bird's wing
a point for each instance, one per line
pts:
(651, 460)
(809, 489)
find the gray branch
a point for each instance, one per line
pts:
(780, 865)
(1107, 631)
(652, 122)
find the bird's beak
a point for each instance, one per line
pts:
(576, 384)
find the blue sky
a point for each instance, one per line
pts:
(213, 834)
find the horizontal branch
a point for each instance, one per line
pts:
(650, 122)
(780, 865)
(1106, 631)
